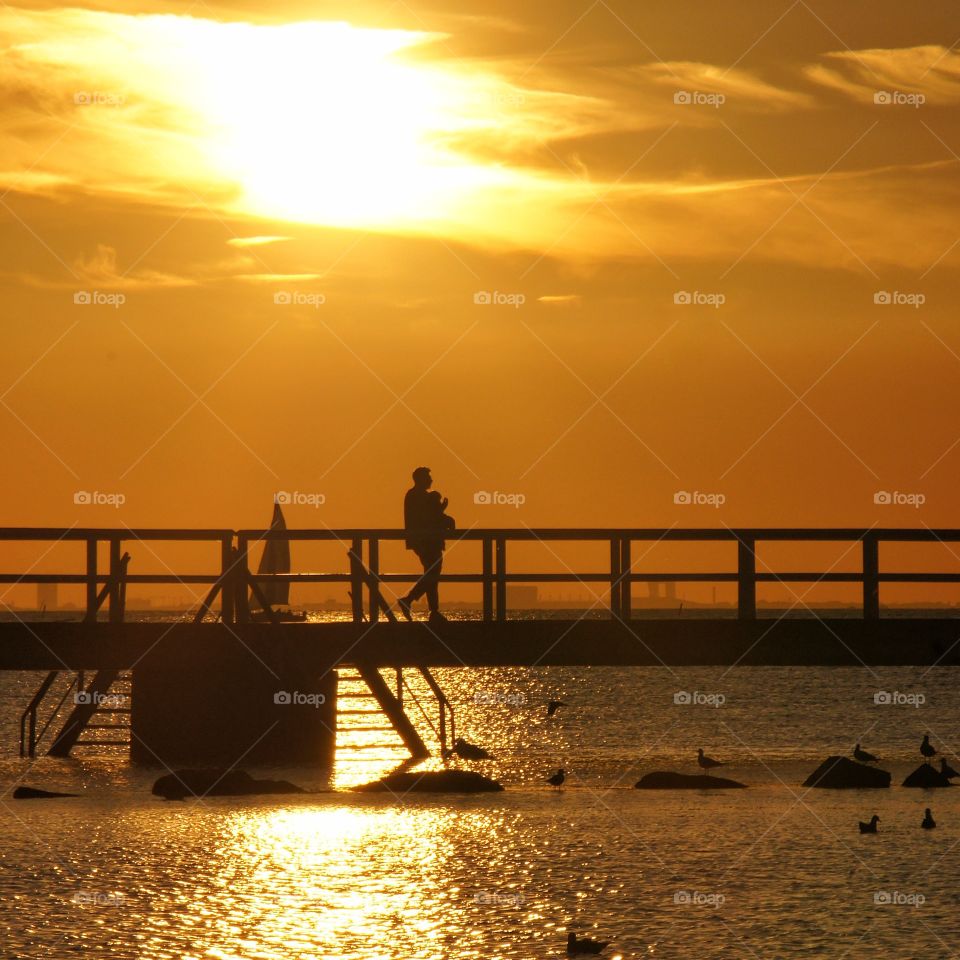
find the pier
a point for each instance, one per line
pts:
(209, 680)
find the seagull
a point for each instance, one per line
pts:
(925, 747)
(584, 945)
(947, 770)
(705, 762)
(469, 751)
(557, 779)
(862, 755)
(870, 827)
(553, 706)
(928, 822)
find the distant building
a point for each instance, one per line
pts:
(522, 596)
(47, 596)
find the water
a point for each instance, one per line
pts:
(772, 871)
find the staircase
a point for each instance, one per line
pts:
(94, 714)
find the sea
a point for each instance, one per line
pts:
(776, 870)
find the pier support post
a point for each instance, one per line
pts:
(115, 595)
(871, 578)
(356, 579)
(746, 579)
(373, 565)
(487, 548)
(91, 580)
(226, 589)
(615, 591)
(626, 568)
(501, 578)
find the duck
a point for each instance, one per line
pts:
(925, 748)
(947, 770)
(469, 751)
(553, 706)
(557, 779)
(862, 756)
(870, 827)
(705, 762)
(928, 822)
(581, 945)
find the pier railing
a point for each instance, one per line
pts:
(232, 576)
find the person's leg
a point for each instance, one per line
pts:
(432, 576)
(423, 584)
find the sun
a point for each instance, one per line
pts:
(334, 124)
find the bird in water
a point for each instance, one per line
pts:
(557, 779)
(947, 770)
(928, 822)
(925, 748)
(553, 706)
(469, 751)
(577, 946)
(870, 827)
(863, 756)
(705, 762)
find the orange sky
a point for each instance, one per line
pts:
(590, 164)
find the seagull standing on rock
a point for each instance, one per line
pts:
(947, 770)
(925, 748)
(870, 827)
(928, 822)
(863, 756)
(707, 763)
(553, 706)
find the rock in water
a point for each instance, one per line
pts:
(217, 783)
(841, 773)
(669, 780)
(32, 793)
(433, 781)
(926, 776)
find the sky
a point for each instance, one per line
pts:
(625, 264)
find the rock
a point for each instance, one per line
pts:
(433, 781)
(842, 773)
(926, 776)
(669, 780)
(32, 793)
(217, 783)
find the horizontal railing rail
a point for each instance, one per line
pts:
(234, 580)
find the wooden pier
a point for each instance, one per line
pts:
(223, 646)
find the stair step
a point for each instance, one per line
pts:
(359, 713)
(355, 696)
(114, 710)
(102, 743)
(107, 726)
(352, 729)
(393, 747)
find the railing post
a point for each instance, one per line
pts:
(373, 565)
(91, 580)
(115, 613)
(227, 597)
(871, 577)
(487, 586)
(746, 579)
(626, 565)
(356, 579)
(501, 552)
(615, 600)
(241, 600)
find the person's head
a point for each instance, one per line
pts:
(434, 496)
(422, 478)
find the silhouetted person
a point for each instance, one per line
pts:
(425, 520)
